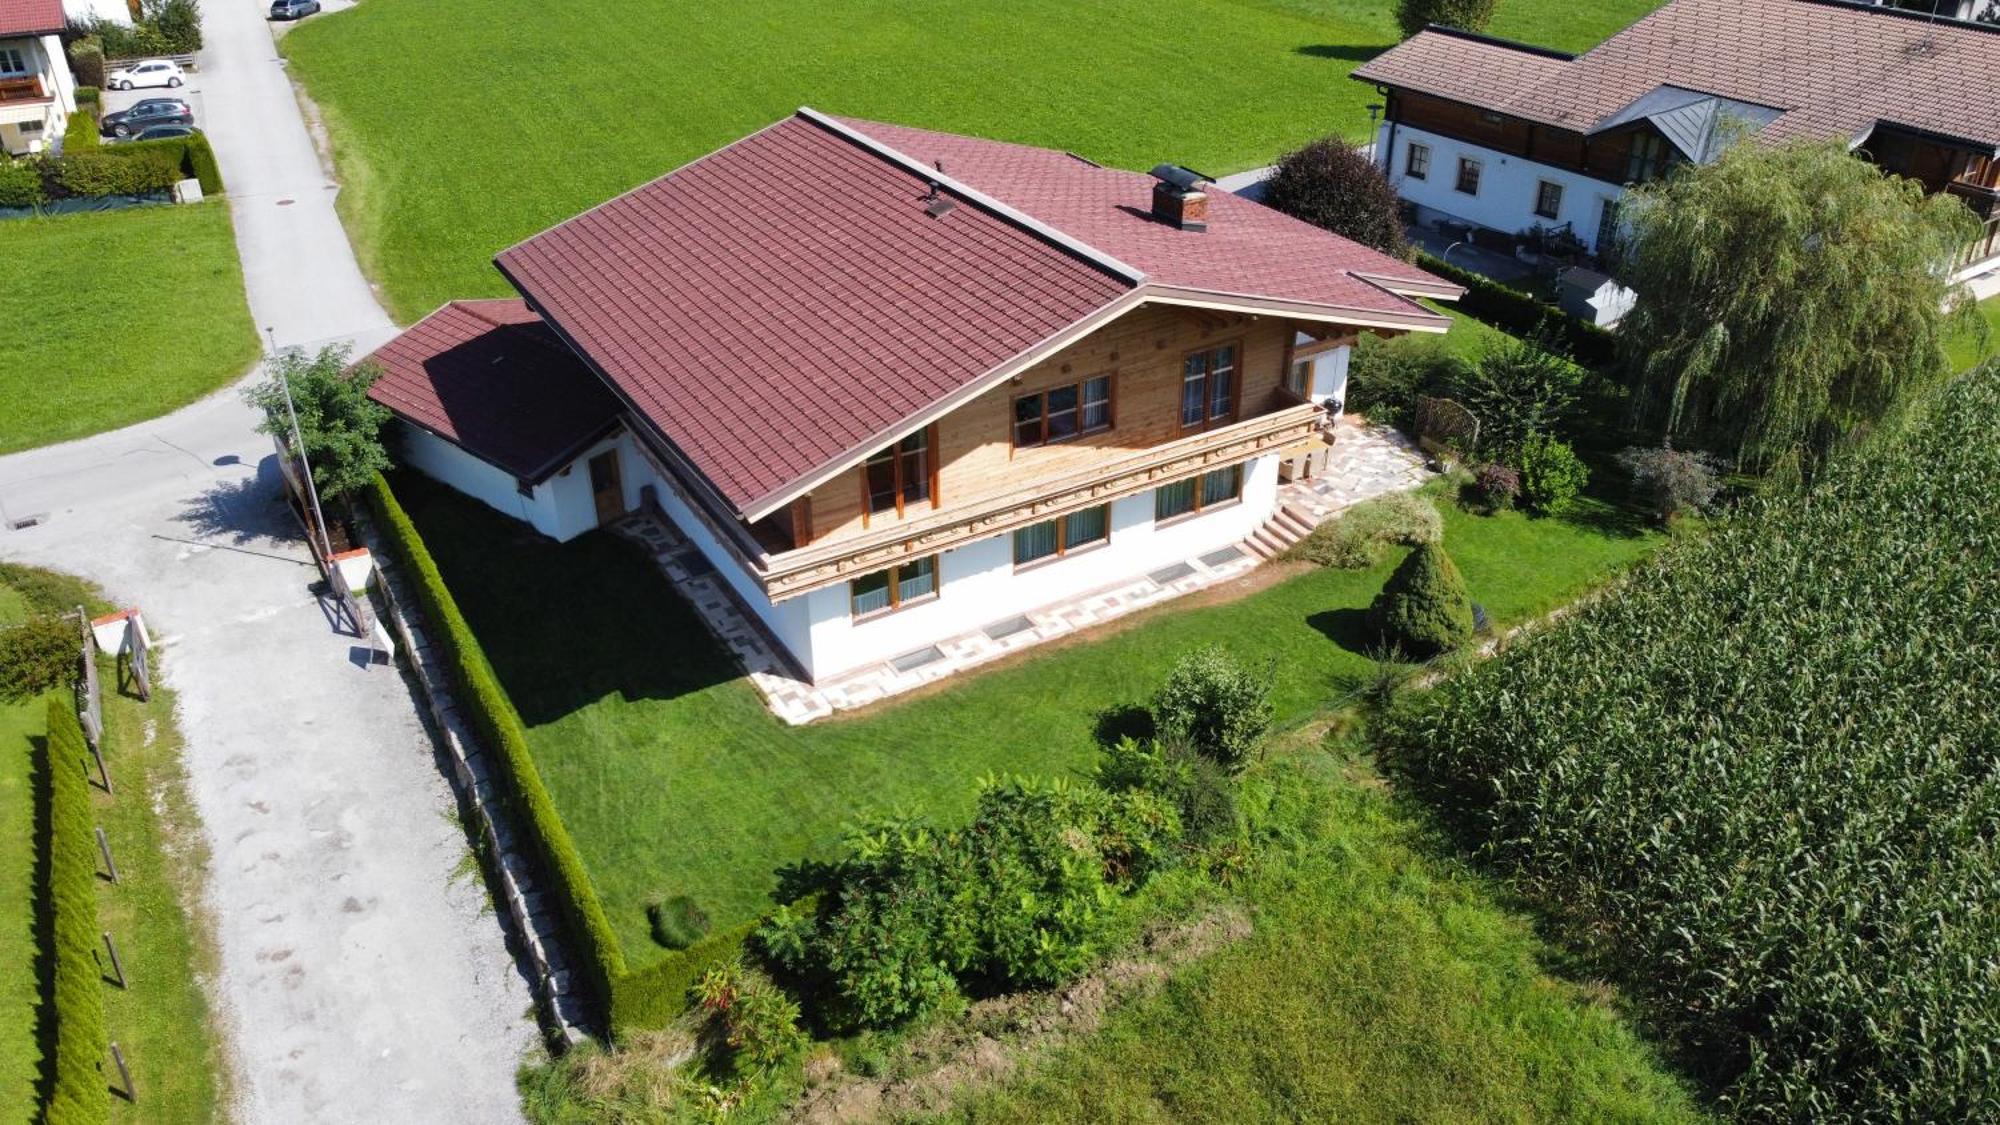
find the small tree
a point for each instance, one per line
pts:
(1466, 15)
(341, 425)
(1423, 608)
(1518, 391)
(1787, 295)
(1677, 480)
(1214, 706)
(1552, 476)
(1331, 185)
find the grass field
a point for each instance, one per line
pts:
(460, 129)
(1381, 982)
(673, 779)
(161, 1021)
(118, 316)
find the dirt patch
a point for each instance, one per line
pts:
(994, 1036)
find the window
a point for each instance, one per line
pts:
(1063, 412)
(899, 475)
(1197, 494)
(1417, 161)
(1647, 158)
(1468, 176)
(1548, 199)
(1058, 537)
(1299, 377)
(1208, 386)
(1607, 227)
(29, 128)
(12, 61)
(900, 585)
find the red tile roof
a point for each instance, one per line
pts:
(31, 17)
(491, 377)
(786, 304)
(1835, 68)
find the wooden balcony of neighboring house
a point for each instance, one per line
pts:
(1984, 199)
(23, 88)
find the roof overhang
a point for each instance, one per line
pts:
(1882, 124)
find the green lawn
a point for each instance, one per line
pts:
(117, 317)
(506, 116)
(1967, 350)
(162, 1021)
(1380, 983)
(673, 779)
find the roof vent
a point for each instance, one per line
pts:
(1178, 199)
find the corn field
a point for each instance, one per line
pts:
(1762, 782)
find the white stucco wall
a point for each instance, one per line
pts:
(113, 10)
(1507, 186)
(559, 507)
(980, 586)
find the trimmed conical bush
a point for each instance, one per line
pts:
(1423, 608)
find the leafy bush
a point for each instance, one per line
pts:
(80, 133)
(1495, 487)
(1423, 608)
(1200, 789)
(1520, 314)
(86, 64)
(1552, 476)
(1019, 897)
(1759, 780)
(677, 922)
(1677, 480)
(1387, 377)
(758, 1021)
(81, 1093)
(1333, 185)
(1361, 536)
(1214, 706)
(1517, 391)
(164, 27)
(38, 655)
(177, 21)
(1466, 15)
(21, 183)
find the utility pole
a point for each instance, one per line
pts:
(299, 443)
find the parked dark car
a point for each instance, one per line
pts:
(293, 9)
(144, 115)
(163, 132)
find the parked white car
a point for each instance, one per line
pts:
(147, 72)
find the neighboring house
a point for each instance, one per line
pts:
(1508, 136)
(88, 11)
(37, 94)
(899, 385)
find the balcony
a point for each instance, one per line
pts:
(1982, 199)
(810, 568)
(28, 88)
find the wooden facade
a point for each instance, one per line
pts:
(1143, 354)
(1606, 157)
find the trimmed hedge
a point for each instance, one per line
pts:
(82, 1092)
(1521, 314)
(193, 156)
(648, 998)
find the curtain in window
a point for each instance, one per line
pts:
(1087, 526)
(871, 593)
(1221, 485)
(1037, 542)
(916, 580)
(1097, 403)
(1222, 383)
(1194, 380)
(1170, 500)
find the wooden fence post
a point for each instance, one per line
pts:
(124, 1073)
(104, 849)
(117, 966)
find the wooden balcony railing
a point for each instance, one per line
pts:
(809, 568)
(23, 89)
(1982, 199)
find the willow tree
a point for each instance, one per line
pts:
(1788, 295)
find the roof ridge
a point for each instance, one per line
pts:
(1005, 211)
(1496, 41)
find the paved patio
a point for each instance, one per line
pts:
(1366, 462)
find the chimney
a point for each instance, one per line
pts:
(1178, 199)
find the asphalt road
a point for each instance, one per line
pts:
(362, 977)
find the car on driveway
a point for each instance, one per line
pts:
(146, 72)
(144, 115)
(293, 9)
(166, 132)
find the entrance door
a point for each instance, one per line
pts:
(606, 488)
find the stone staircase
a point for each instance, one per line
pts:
(1285, 527)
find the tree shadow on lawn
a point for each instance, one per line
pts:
(243, 510)
(1344, 52)
(1349, 628)
(564, 624)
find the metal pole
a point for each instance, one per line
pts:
(299, 442)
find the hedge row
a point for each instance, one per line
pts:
(648, 998)
(1522, 314)
(137, 168)
(82, 1092)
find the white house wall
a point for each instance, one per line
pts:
(1507, 185)
(979, 585)
(490, 485)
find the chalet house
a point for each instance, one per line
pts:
(895, 385)
(1509, 137)
(37, 94)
